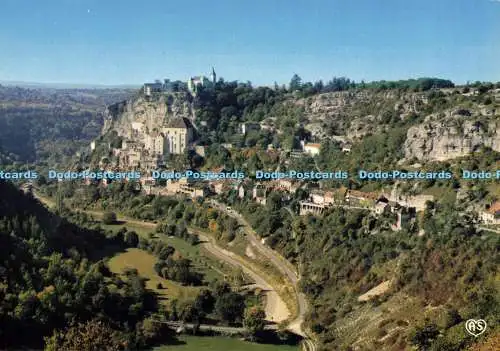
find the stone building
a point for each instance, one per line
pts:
(310, 207)
(197, 81)
(248, 127)
(155, 143)
(178, 134)
(492, 214)
(150, 88)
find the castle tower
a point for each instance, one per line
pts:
(213, 76)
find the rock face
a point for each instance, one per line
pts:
(455, 136)
(355, 114)
(152, 113)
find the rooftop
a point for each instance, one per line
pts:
(494, 208)
(153, 85)
(361, 194)
(312, 145)
(182, 123)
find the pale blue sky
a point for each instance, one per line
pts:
(123, 42)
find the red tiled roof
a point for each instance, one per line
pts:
(356, 193)
(494, 208)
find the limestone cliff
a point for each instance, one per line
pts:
(354, 114)
(450, 124)
(453, 136)
(151, 112)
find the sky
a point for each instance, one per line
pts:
(263, 41)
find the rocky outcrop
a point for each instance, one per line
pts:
(458, 135)
(152, 113)
(355, 114)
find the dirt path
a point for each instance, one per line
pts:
(276, 309)
(380, 289)
(283, 265)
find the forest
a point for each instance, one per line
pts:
(55, 283)
(47, 279)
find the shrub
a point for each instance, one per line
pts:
(109, 217)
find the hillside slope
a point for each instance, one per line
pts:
(48, 282)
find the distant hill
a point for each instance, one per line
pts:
(51, 123)
(22, 84)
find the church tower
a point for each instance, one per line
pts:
(213, 76)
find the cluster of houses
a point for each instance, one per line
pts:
(146, 150)
(491, 215)
(258, 192)
(312, 149)
(319, 201)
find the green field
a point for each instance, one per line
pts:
(217, 343)
(144, 262)
(204, 263)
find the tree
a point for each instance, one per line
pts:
(131, 239)
(89, 336)
(230, 306)
(254, 319)
(41, 180)
(109, 217)
(59, 201)
(319, 86)
(221, 288)
(148, 331)
(451, 317)
(295, 82)
(204, 302)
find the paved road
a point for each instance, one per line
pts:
(209, 327)
(489, 229)
(285, 267)
(276, 309)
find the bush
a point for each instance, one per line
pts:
(422, 337)
(109, 217)
(92, 335)
(131, 239)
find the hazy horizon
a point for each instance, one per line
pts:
(76, 85)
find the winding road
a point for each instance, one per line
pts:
(276, 309)
(284, 266)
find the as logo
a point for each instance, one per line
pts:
(475, 327)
